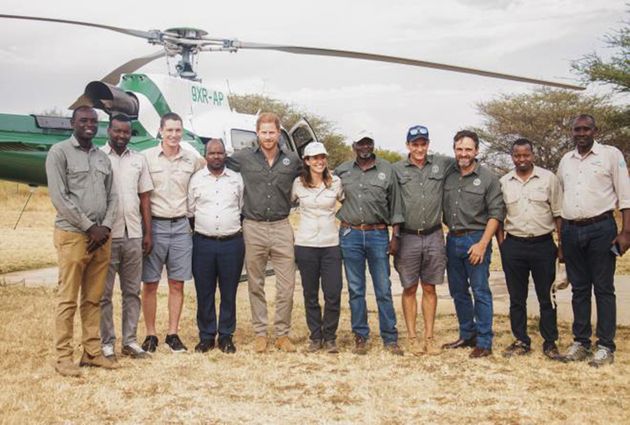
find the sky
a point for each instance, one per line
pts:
(47, 65)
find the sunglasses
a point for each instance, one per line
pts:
(414, 131)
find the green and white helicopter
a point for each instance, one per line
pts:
(26, 139)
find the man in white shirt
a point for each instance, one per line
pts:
(215, 199)
(595, 181)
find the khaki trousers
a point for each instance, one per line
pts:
(264, 241)
(81, 274)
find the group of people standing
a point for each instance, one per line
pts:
(131, 214)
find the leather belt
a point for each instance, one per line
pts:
(422, 232)
(378, 226)
(171, 219)
(592, 220)
(457, 233)
(220, 238)
(532, 239)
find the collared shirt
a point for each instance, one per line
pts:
(422, 190)
(80, 185)
(216, 202)
(471, 200)
(267, 188)
(595, 183)
(317, 207)
(371, 196)
(131, 177)
(531, 204)
(170, 180)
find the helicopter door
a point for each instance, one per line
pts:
(302, 134)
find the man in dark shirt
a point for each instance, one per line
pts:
(268, 173)
(372, 202)
(473, 210)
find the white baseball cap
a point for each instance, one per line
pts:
(315, 148)
(363, 134)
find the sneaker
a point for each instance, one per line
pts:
(226, 345)
(67, 368)
(314, 346)
(603, 356)
(150, 343)
(98, 361)
(331, 347)
(204, 346)
(176, 344)
(283, 343)
(430, 347)
(360, 345)
(577, 353)
(517, 348)
(108, 352)
(134, 351)
(551, 351)
(414, 346)
(394, 348)
(260, 344)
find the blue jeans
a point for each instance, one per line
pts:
(357, 246)
(475, 319)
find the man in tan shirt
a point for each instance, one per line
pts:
(532, 197)
(595, 181)
(171, 167)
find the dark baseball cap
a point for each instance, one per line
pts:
(417, 132)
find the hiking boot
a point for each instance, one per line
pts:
(98, 361)
(517, 348)
(176, 344)
(283, 343)
(430, 347)
(603, 356)
(414, 346)
(226, 345)
(67, 368)
(204, 346)
(331, 347)
(150, 343)
(551, 351)
(577, 353)
(394, 348)
(134, 351)
(314, 346)
(360, 345)
(108, 352)
(260, 344)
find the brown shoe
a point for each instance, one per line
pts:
(331, 347)
(314, 346)
(414, 346)
(460, 343)
(478, 352)
(67, 368)
(360, 345)
(98, 361)
(430, 347)
(283, 343)
(260, 344)
(394, 348)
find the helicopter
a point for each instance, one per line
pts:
(144, 98)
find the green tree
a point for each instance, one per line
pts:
(544, 117)
(616, 70)
(388, 155)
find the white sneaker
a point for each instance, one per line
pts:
(577, 353)
(108, 351)
(603, 356)
(134, 351)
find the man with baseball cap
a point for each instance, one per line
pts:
(372, 202)
(418, 243)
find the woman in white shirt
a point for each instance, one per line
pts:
(317, 250)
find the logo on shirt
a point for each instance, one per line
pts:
(286, 161)
(435, 169)
(381, 176)
(476, 182)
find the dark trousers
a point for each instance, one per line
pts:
(591, 266)
(315, 265)
(519, 259)
(212, 260)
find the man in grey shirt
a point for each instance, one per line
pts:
(80, 186)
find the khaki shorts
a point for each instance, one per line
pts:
(421, 258)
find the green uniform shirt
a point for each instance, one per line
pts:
(267, 195)
(372, 196)
(471, 200)
(422, 190)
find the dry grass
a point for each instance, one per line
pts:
(297, 388)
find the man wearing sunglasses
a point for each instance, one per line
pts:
(595, 181)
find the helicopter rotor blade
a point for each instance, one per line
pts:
(399, 60)
(136, 33)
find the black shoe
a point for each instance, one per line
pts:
(176, 344)
(551, 351)
(461, 343)
(517, 348)
(204, 345)
(226, 345)
(150, 343)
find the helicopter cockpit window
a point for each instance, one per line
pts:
(242, 139)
